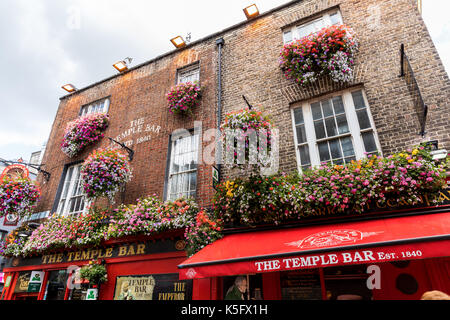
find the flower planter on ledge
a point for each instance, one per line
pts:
(328, 52)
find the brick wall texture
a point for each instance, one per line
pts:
(250, 67)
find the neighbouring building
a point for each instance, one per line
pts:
(380, 111)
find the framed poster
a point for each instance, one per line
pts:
(152, 287)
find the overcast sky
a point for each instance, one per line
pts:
(48, 43)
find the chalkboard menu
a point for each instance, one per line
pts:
(301, 285)
(152, 287)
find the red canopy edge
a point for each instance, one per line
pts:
(364, 242)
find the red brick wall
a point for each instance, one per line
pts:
(137, 94)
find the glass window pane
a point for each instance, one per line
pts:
(287, 36)
(304, 155)
(363, 119)
(358, 100)
(193, 181)
(298, 116)
(335, 149)
(327, 109)
(67, 182)
(339, 162)
(301, 134)
(349, 160)
(335, 18)
(320, 129)
(323, 152)
(316, 111)
(338, 105)
(331, 127)
(347, 147)
(342, 124)
(369, 142)
(56, 285)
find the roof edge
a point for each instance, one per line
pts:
(190, 45)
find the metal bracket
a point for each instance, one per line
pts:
(130, 151)
(46, 174)
(248, 104)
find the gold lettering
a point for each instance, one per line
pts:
(77, 256)
(443, 197)
(426, 199)
(70, 256)
(44, 259)
(122, 251)
(94, 253)
(101, 255)
(389, 203)
(381, 206)
(52, 258)
(59, 258)
(108, 253)
(140, 248)
(85, 255)
(131, 250)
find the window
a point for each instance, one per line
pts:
(336, 129)
(183, 168)
(72, 200)
(96, 107)
(190, 74)
(56, 285)
(305, 29)
(3, 235)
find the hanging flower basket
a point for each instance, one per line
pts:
(18, 197)
(94, 272)
(250, 129)
(330, 52)
(104, 173)
(183, 97)
(82, 132)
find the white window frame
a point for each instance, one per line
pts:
(184, 75)
(355, 133)
(68, 190)
(294, 31)
(99, 106)
(171, 174)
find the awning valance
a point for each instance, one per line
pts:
(369, 241)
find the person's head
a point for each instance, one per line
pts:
(241, 283)
(435, 295)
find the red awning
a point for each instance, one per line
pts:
(369, 241)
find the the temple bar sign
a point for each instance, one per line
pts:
(122, 250)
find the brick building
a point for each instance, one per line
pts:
(382, 117)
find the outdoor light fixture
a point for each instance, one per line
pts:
(178, 42)
(251, 11)
(69, 88)
(122, 65)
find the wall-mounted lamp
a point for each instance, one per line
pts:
(251, 11)
(69, 88)
(122, 66)
(178, 42)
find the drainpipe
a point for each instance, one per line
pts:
(219, 42)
